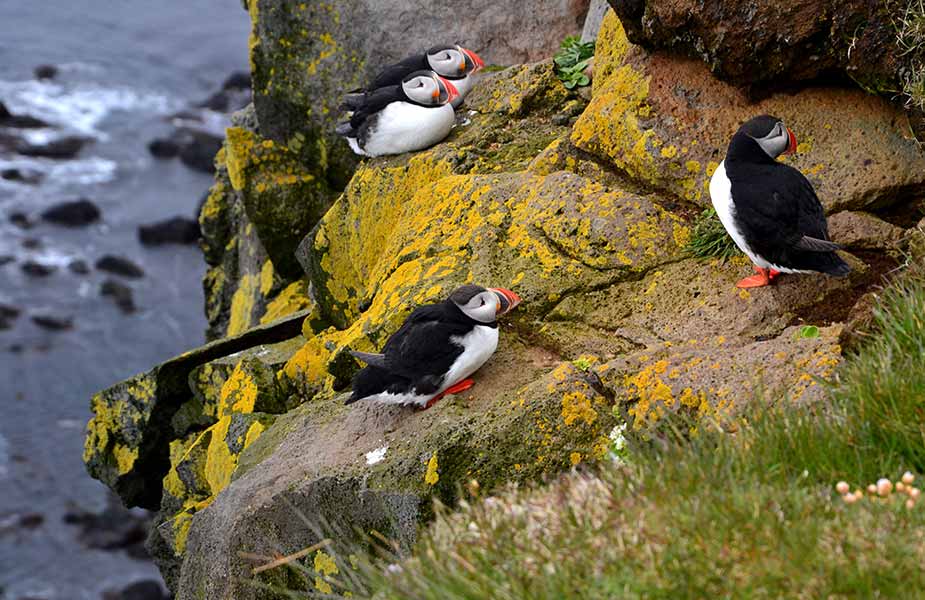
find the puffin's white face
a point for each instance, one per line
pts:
(428, 89)
(483, 307)
(453, 61)
(777, 141)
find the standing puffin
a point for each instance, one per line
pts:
(770, 209)
(452, 62)
(401, 118)
(436, 349)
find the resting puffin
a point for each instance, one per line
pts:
(436, 349)
(452, 62)
(401, 118)
(770, 209)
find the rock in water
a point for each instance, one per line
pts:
(164, 148)
(60, 149)
(53, 322)
(45, 72)
(22, 175)
(140, 590)
(8, 119)
(198, 152)
(119, 265)
(239, 80)
(37, 269)
(76, 213)
(120, 293)
(78, 267)
(176, 230)
(115, 528)
(21, 220)
(8, 314)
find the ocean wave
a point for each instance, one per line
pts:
(83, 171)
(80, 107)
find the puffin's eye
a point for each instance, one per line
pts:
(482, 302)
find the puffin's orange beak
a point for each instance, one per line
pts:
(479, 63)
(451, 91)
(792, 147)
(507, 300)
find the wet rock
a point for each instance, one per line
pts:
(115, 528)
(37, 269)
(140, 590)
(239, 80)
(79, 267)
(45, 72)
(31, 243)
(8, 119)
(31, 520)
(164, 148)
(76, 213)
(26, 176)
(120, 293)
(53, 322)
(176, 230)
(21, 220)
(198, 151)
(60, 149)
(119, 265)
(8, 315)
(6, 259)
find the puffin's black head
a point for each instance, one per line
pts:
(770, 134)
(428, 89)
(484, 305)
(453, 61)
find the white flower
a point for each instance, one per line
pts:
(376, 455)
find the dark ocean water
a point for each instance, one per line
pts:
(124, 66)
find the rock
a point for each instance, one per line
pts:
(175, 230)
(864, 231)
(198, 151)
(53, 322)
(60, 149)
(78, 267)
(164, 148)
(76, 213)
(8, 315)
(120, 293)
(45, 72)
(21, 220)
(119, 265)
(6, 259)
(666, 122)
(148, 589)
(592, 25)
(115, 528)
(8, 119)
(31, 243)
(773, 43)
(37, 269)
(26, 176)
(239, 80)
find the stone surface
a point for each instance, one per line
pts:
(772, 42)
(76, 213)
(666, 122)
(119, 265)
(175, 230)
(864, 230)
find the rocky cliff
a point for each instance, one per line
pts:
(582, 203)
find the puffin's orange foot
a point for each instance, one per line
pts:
(461, 386)
(762, 279)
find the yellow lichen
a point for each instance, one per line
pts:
(431, 476)
(242, 305)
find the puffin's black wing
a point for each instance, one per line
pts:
(783, 220)
(365, 106)
(422, 345)
(394, 74)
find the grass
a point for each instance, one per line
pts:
(745, 515)
(709, 239)
(910, 27)
(750, 514)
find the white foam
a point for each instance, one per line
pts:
(376, 455)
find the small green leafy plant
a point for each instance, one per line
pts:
(709, 239)
(571, 61)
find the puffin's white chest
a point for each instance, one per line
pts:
(463, 86)
(721, 196)
(478, 346)
(404, 127)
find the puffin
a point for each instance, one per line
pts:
(436, 349)
(450, 61)
(413, 115)
(769, 208)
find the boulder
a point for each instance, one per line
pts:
(76, 213)
(175, 230)
(8, 314)
(45, 72)
(666, 122)
(864, 231)
(21, 220)
(53, 322)
(774, 43)
(119, 265)
(37, 269)
(59, 149)
(120, 293)
(198, 151)
(164, 148)
(26, 176)
(78, 267)
(8, 119)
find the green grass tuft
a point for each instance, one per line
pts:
(709, 238)
(910, 27)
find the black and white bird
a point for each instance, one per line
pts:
(450, 61)
(769, 208)
(410, 116)
(436, 349)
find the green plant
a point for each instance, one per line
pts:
(910, 33)
(709, 238)
(571, 61)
